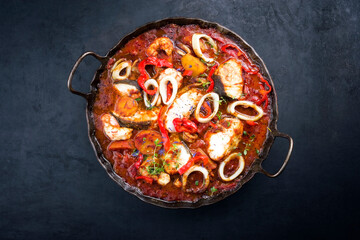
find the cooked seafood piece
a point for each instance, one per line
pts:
(121, 65)
(238, 170)
(164, 89)
(163, 179)
(220, 141)
(128, 88)
(197, 48)
(162, 43)
(228, 79)
(113, 130)
(148, 83)
(206, 180)
(231, 109)
(140, 120)
(171, 72)
(178, 155)
(182, 107)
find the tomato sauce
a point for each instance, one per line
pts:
(253, 135)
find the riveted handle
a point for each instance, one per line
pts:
(291, 144)
(77, 63)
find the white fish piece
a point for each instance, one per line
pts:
(182, 107)
(229, 76)
(113, 130)
(140, 120)
(178, 155)
(221, 141)
(127, 90)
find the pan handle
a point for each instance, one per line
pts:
(291, 144)
(77, 63)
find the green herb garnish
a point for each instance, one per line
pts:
(222, 100)
(138, 99)
(245, 152)
(157, 143)
(245, 133)
(155, 168)
(219, 114)
(197, 183)
(213, 189)
(257, 151)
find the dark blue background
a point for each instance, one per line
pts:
(52, 186)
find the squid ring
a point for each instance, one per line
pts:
(231, 109)
(238, 171)
(163, 89)
(118, 67)
(196, 168)
(151, 82)
(216, 100)
(196, 45)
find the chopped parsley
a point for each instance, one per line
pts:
(228, 124)
(205, 84)
(245, 133)
(222, 100)
(209, 43)
(245, 152)
(239, 154)
(257, 151)
(197, 183)
(219, 114)
(203, 75)
(138, 99)
(213, 189)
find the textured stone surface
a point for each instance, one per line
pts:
(52, 186)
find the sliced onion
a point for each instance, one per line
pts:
(238, 171)
(196, 168)
(120, 65)
(231, 109)
(196, 45)
(216, 100)
(163, 89)
(147, 84)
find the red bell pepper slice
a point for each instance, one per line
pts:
(163, 131)
(138, 162)
(143, 74)
(264, 92)
(187, 73)
(213, 125)
(169, 92)
(184, 125)
(146, 179)
(191, 162)
(251, 123)
(211, 72)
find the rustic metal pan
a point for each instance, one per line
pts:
(256, 166)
